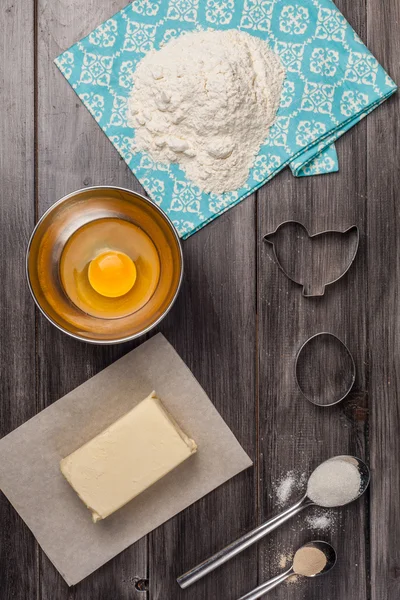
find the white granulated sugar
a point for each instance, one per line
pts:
(287, 486)
(334, 483)
(321, 522)
(206, 100)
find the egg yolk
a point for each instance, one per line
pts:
(112, 274)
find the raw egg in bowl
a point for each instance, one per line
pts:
(104, 264)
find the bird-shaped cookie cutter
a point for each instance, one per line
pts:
(307, 291)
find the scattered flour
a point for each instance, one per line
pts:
(206, 100)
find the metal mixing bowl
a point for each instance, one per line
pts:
(61, 221)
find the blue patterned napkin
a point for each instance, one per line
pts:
(332, 82)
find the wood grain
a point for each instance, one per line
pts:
(74, 153)
(295, 435)
(18, 560)
(384, 309)
(213, 327)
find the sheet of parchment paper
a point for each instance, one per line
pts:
(30, 476)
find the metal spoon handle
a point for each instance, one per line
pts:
(262, 589)
(248, 539)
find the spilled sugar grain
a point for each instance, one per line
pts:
(290, 487)
(285, 489)
(322, 521)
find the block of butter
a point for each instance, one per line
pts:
(127, 458)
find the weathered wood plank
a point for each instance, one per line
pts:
(74, 153)
(18, 560)
(384, 309)
(295, 435)
(213, 327)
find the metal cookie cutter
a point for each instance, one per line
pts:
(316, 362)
(328, 255)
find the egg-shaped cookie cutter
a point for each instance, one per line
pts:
(352, 377)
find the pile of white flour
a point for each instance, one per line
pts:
(206, 100)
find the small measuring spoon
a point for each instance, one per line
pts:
(330, 555)
(250, 538)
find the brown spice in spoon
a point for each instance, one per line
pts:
(309, 561)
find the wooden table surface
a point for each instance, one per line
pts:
(237, 324)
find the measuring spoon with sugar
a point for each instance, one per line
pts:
(326, 492)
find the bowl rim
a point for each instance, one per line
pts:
(82, 338)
